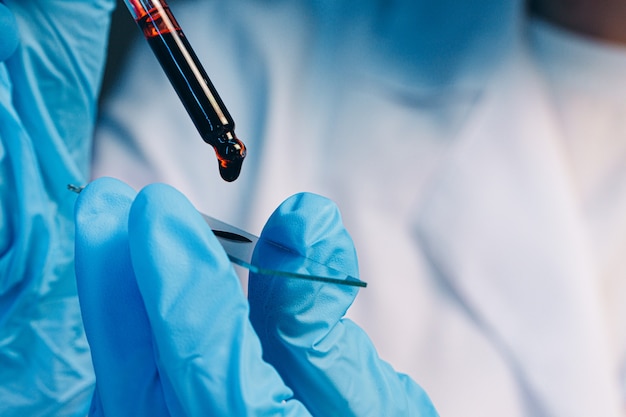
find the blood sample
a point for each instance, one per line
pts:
(192, 84)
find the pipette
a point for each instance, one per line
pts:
(192, 84)
(217, 127)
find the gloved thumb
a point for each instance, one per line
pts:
(328, 361)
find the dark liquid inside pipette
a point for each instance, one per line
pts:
(195, 90)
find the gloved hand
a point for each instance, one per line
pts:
(51, 58)
(172, 334)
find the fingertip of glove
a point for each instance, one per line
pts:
(102, 207)
(302, 312)
(312, 225)
(160, 203)
(307, 202)
(293, 222)
(9, 36)
(176, 231)
(101, 251)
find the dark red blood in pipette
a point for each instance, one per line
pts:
(195, 90)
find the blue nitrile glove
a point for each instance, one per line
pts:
(169, 326)
(328, 361)
(51, 59)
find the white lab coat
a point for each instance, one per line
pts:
(453, 184)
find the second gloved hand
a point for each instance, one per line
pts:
(51, 60)
(169, 326)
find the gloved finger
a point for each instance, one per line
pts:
(207, 350)
(328, 361)
(113, 313)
